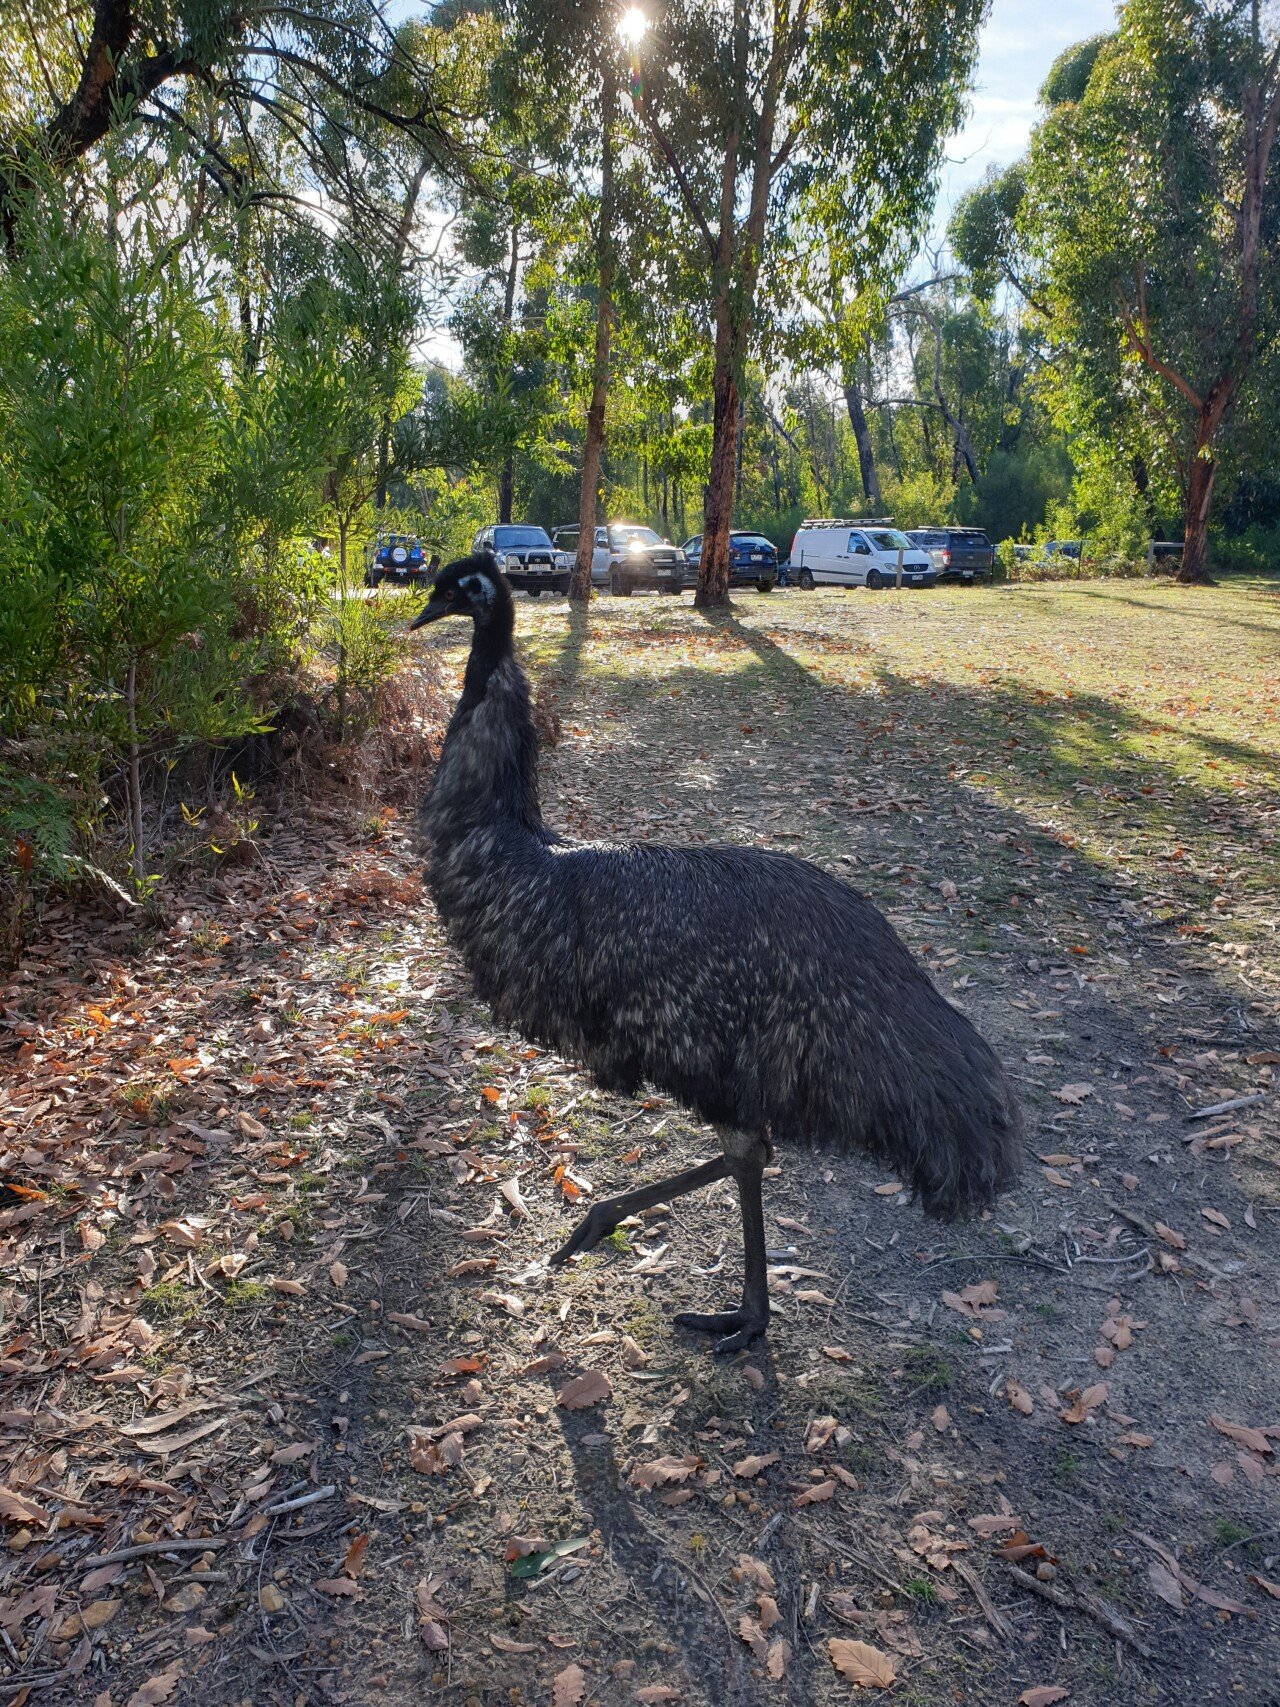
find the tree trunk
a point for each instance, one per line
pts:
(862, 437)
(717, 520)
(507, 473)
(593, 444)
(1195, 535)
(135, 778)
(341, 682)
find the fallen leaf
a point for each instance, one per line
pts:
(751, 1633)
(654, 1694)
(592, 1387)
(750, 1467)
(158, 1688)
(506, 1645)
(1043, 1695)
(662, 1471)
(815, 1495)
(941, 1419)
(1273, 1589)
(819, 1433)
(353, 1563)
(568, 1687)
(775, 1661)
(1170, 1237)
(1019, 1397)
(1253, 1438)
(862, 1664)
(510, 1189)
(338, 1274)
(1073, 1093)
(1215, 1217)
(337, 1586)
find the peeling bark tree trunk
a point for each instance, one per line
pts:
(507, 473)
(1195, 532)
(593, 444)
(862, 438)
(717, 517)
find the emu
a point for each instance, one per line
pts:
(768, 997)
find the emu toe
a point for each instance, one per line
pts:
(584, 1237)
(741, 1327)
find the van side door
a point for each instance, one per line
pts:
(600, 558)
(859, 557)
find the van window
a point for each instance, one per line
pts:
(858, 542)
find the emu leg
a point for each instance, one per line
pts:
(601, 1219)
(750, 1319)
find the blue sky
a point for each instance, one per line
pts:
(1021, 40)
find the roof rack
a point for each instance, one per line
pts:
(847, 522)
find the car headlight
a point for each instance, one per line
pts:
(511, 561)
(563, 560)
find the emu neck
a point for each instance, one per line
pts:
(488, 770)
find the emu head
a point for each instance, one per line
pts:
(470, 586)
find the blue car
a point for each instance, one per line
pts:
(396, 557)
(753, 560)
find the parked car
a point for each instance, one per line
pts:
(958, 554)
(396, 557)
(753, 560)
(1062, 548)
(627, 558)
(526, 557)
(832, 553)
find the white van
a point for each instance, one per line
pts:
(833, 553)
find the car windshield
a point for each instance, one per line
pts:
(512, 539)
(756, 541)
(889, 539)
(629, 534)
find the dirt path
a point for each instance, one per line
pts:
(280, 1200)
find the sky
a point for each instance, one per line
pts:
(1020, 41)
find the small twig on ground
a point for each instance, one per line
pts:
(1188, 1257)
(994, 1617)
(1098, 1610)
(312, 1498)
(1228, 1106)
(999, 1256)
(147, 1549)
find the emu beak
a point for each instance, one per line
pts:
(434, 610)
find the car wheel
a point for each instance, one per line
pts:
(764, 586)
(373, 578)
(615, 583)
(534, 592)
(804, 580)
(875, 580)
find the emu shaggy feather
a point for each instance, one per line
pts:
(768, 997)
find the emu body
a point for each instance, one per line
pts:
(768, 997)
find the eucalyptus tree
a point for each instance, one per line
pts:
(798, 144)
(1150, 212)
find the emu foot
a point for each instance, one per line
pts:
(585, 1236)
(741, 1327)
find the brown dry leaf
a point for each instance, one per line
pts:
(1043, 1695)
(1253, 1438)
(1215, 1217)
(1073, 1094)
(338, 1274)
(775, 1661)
(1087, 1402)
(654, 1694)
(353, 1563)
(1129, 1438)
(290, 1288)
(1273, 1589)
(989, 1524)
(1170, 1237)
(753, 1377)
(592, 1387)
(470, 1265)
(751, 1633)
(510, 1189)
(1019, 1397)
(158, 1688)
(338, 1587)
(1165, 1584)
(863, 1665)
(633, 1354)
(750, 1467)
(819, 1433)
(543, 1365)
(662, 1471)
(756, 1571)
(941, 1419)
(975, 1301)
(568, 1687)
(837, 1354)
(291, 1454)
(814, 1496)
(507, 1645)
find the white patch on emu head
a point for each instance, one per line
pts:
(477, 586)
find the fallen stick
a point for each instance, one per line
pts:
(1145, 1227)
(1067, 1601)
(1228, 1106)
(994, 1617)
(145, 1549)
(312, 1498)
